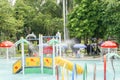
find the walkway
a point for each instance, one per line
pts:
(83, 58)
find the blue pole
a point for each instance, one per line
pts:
(74, 73)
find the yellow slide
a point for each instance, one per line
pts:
(17, 66)
(69, 65)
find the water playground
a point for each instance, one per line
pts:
(48, 63)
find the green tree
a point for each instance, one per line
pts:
(47, 19)
(83, 20)
(95, 18)
(111, 19)
(8, 24)
(25, 14)
(50, 7)
(28, 16)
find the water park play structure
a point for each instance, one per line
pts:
(44, 62)
(51, 62)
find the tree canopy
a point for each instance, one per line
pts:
(28, 16)
(86, 18)
(94, 18)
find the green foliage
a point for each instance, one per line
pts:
(8, 23)
(95, 18)
(111, 18)
(46, 24)
(28, 16)
(51, 8)
(83, 19)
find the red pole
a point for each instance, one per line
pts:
(104, 67)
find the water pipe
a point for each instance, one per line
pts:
(105, 67)
(63, 72)
(41, 51)
(67, 74)
(85, 72)
(53, 59)
(112, 56)
(113, 68)
(74, 73)
(7, 54)
(94, 77)
(59, 38)
(57, 73)
(22, 47)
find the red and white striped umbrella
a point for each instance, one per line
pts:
(6, 44)
(109, 44)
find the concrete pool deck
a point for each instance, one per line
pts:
(83, 58)
(6, 70)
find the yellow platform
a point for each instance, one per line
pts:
(47, 62)
(32, 61)
(35, 61)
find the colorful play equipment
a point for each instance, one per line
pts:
(32, 65)
(69, 65)
(55, 48)
(40, 39)
(22, 41)
(34, 62)
(47, 59)
(17, 66)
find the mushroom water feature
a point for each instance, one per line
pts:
(22, 41)
(6, 44)
(109, 45)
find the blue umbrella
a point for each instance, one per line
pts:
(79, 46)
(64, 45)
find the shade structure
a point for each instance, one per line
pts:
(53, 41)
(6, 44)
(79, 46)
(109, 44)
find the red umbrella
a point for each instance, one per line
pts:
(109, 44)
(6, 44)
